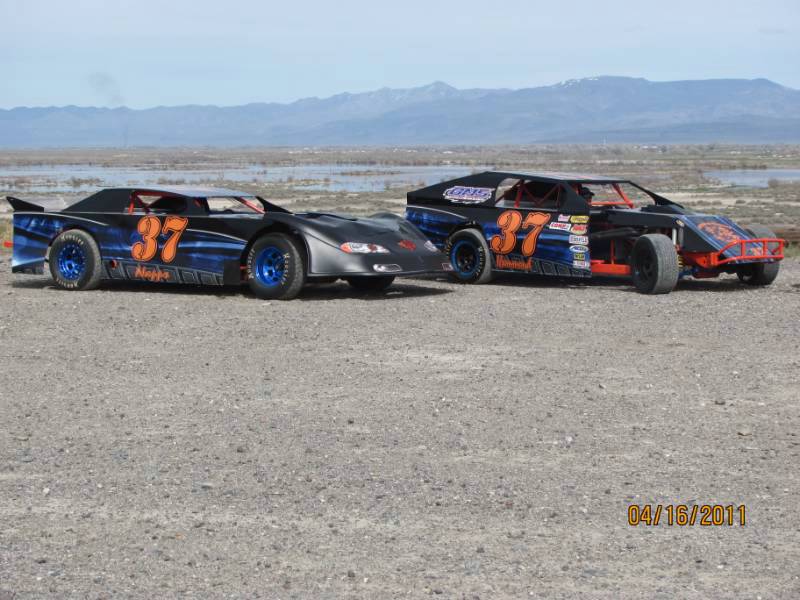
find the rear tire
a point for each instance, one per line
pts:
(371, 284)
(275, 269)
(74, 261)
(759, 274)
(470, 256)
(654, 264)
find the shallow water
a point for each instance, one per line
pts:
(323, 177)
(758, 178)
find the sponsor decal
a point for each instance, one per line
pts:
(558, 225)
(579, 219)
(407, 244)
(580, 229)
(150, 228)
(720, 232)
(142, 272)
(580, 264)
(563, 218)
(578, 239)
(579, 256)
(468, 195)
(578, 249)
(510, 222)
(514, 264)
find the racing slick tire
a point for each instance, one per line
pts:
(759, 274)
(371, 284)
(74, 261)
(469, 254)
(275, 269)
(654, 264)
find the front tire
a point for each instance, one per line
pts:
(654, 264)
(275, 269)
(371, 284)
(469, 254)
(759, 274)
(74, 261)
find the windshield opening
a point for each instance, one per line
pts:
(231, 205)
(612, 194)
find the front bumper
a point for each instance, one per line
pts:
(739, 252)
(329, 261)
(396, 265)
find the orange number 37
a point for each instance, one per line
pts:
(150, 228)
(509, 223)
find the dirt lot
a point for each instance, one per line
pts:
(461, 442)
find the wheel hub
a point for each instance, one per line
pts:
(71, 262)
(271, 266)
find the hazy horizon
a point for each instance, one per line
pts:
(432, 83)
(147, 53)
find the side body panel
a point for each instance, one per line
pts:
(546, 242)
(201, 255)
(208, 249)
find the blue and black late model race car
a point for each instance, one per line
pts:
(581, 226)
(213, 237)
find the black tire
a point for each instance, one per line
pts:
(759, 274)
(469, 254)
(275, 269)
(654, 264)
(74, 261)
(371, 284)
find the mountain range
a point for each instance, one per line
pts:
(592, 110)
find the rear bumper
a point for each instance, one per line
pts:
(738, 252)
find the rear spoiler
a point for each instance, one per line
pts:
(23, 206)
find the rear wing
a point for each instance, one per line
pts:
(23, 206)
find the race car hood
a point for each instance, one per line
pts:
(337, 229)
(717, 232)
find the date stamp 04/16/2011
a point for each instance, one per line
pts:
(687, 515)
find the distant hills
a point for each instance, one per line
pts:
(594, 110)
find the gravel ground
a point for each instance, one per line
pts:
(461, 442)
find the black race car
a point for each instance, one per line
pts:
(580, 226)
(213, 237)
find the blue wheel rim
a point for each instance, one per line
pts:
(270, 266)
(465, 258)
(71, 261)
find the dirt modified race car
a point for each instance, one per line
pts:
(213, 237)
(581, 226)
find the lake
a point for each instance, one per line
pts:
(322, 177)
(758, 178)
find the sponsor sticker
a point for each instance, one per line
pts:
(578, 239)
(468, 195)
(513, 264)
(580, 264)
(579, 219)
(155, 274)
(579, 256)
(563, 218)
(580, 229)
(720, 232)
(558, 225)
(578, 249)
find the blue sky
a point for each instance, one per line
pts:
(146, 53)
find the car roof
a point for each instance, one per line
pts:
(187, 190)
(438, 192)
(118, 199)
(498, 176)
